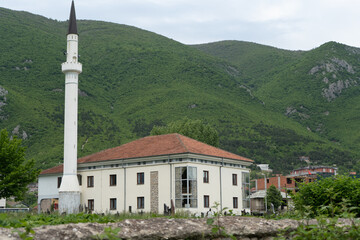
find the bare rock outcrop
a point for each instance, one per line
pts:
(330, 72)
(334, 89)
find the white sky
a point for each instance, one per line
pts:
(288, 24)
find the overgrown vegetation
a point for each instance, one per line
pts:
(328, 196)
(19, 220)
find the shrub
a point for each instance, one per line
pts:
(327, 195)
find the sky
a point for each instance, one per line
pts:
(286, 24)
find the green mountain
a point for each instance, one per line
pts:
(134, 79)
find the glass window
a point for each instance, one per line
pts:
(91, 204)
(113, 180)
(246, 189)
(206, 176)
(79, 179)
(234, 179)
(288, 181)
(186, 187)
(90, 181)
(112, 203)
(140, 202)
(206, 201)
(59, 181)
(235, 202)
(140, 178)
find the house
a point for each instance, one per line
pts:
(291, 181)
(258, 201)
(2, 203)
(151, 172)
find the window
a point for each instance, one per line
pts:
(112, 203)
(234, 179)
(140, 202)
(59, 181)
(91, 204)
(206, 201)
(288, 181)
(90, 181)
(245, 190)
(235, 202)
(113, 180)
(206, 176)
(186, 187)
(79, 179)
(140, 178)
(267, 180)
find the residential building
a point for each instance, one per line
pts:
(146, 174)
(291, 181)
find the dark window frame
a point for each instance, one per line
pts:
(112, 179)
(235, 202)
(206, 201)
(91, 204)
(79, 177)
(90, 181)
(205, 176)
(140, 202)
(288, 181)
(140, 178)
(234, 179)
(59, 179)
(113, 203)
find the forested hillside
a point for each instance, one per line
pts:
(133, 79)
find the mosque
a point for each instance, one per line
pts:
(146, 175)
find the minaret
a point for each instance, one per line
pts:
(69, 191)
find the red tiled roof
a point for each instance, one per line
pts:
(155, 146)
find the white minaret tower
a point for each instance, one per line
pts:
(69, 191)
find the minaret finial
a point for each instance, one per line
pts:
(72, 20)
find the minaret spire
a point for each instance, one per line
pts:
(72, 20)
(70, 191)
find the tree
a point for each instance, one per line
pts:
(15, 171)
(195, 129)
(332, 196)
(273, 195)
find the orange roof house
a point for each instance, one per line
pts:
(147, 173)
(160, 145)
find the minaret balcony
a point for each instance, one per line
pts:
(71, 67)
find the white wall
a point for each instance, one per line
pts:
(102, 191)
(2, 203)
(47, 187)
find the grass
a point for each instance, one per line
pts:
(19, 220)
